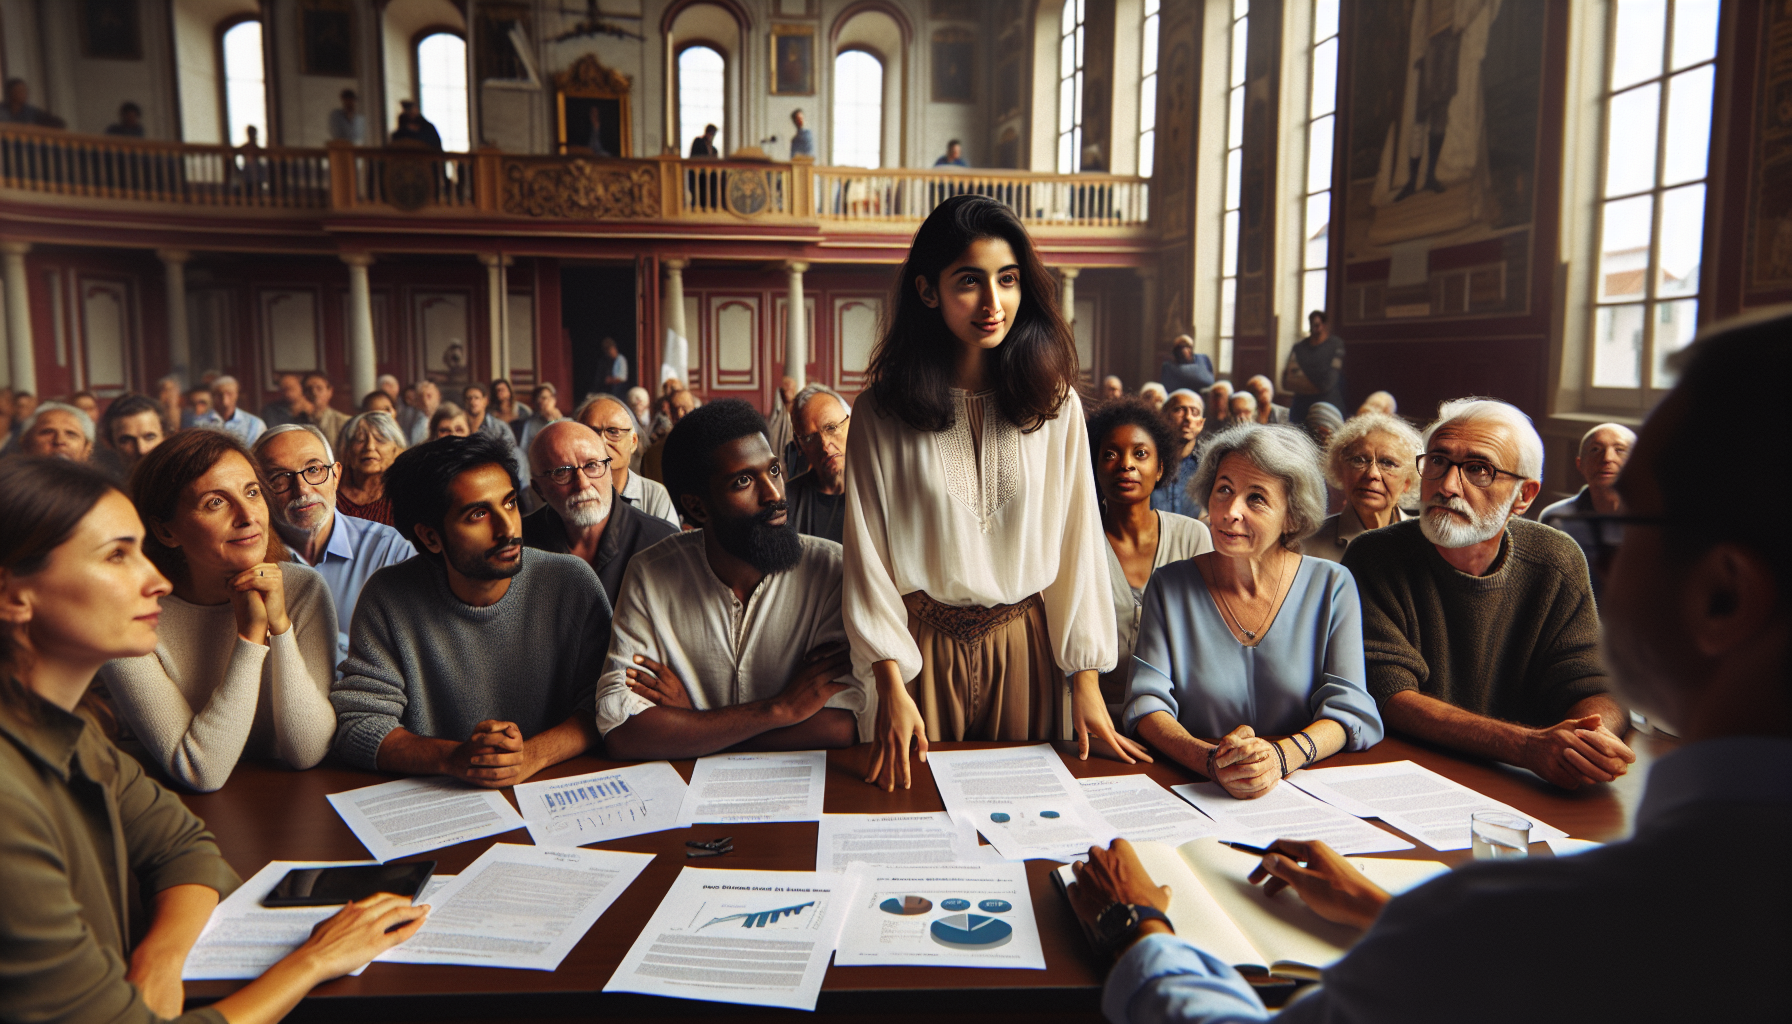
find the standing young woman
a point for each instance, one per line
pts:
(79, 819)
(975, 574)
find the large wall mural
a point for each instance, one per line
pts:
(1443, 119)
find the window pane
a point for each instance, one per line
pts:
(1067, 19)
(1067, 57)
(1318, 230)
(1147, 154)
(1325, 19)
(1675, 325)
(245, 86)
(1066, 104)
(1240, 8)
(1325, 78)
(1618, 347)
(1235, 119)
(1078, 36)
(1637, 46)
(1151, 7)
(1229, 244)
(1630, 151)
(1689, 126)
(1695, 31)
(1624, 248)
(858, 109)
(1148, 104)
(1234, 162)
(702, 94)
(1312, 290)
(442, 87)
(1064, 164)
(1319, 155)
(1148, 49)
(1682, 240)
(1239, 28)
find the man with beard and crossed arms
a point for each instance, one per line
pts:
(478, 658)
(730, 636)
(1479, 626)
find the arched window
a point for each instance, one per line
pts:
(1148, 89)
(1070, 88)
(1322, 104)
(245, 84)
(1240, 29)
(858, 109)
(442, 86)
(702, 94)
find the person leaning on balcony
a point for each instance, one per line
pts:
(18, 109)
(414, 127)
(954, 156)
(130, 121)
(705, 145)
(347, 123)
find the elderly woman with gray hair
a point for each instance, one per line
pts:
(1373, 461)
(1252, 637)
(367, 443)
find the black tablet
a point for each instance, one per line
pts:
(327, 887)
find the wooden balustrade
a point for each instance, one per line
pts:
(489, 183)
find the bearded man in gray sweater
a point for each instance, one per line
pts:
(479, 657)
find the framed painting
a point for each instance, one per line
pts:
(109, 30)
(591, 110)
(327, 38)
(793, 60)
(954, 75)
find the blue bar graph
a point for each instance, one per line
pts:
(761, 918)
(596, 791)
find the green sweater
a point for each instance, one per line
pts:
(1519, 644)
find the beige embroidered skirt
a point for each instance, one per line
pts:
(986, 673)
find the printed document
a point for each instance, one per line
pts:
(897, 840)
(520, 906)
(397, 819)
(1287, 813)
(1413, 799)
(243, 938)
(601, 806)
(1143, 811)
(966, 915)
(756, 937)
(1022, 799)
(744, 788)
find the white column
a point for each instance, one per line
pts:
(362, 371)
(497, 287)
(18, 317)
(675, 356)
(1067, 293)
(796, 326)
(180, 352)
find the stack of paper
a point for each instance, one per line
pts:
(1413, 799)
(397, 819)
(961, 916)
(756, 937)
(1022, 799)
(745, 788)
(1287, 813)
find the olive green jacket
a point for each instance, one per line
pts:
(86, 841)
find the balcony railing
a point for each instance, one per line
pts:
(491, 183)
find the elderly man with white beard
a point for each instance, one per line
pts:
(569, 470)
(302, 475)
(1479, 626)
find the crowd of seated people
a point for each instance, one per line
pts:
(973, 559)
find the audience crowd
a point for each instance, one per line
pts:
(483, 588)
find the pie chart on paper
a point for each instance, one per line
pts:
(906, 906)
(971, 931)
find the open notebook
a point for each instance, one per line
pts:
(1214, 906)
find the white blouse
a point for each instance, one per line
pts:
(971, 520)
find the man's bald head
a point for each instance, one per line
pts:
(582, 499)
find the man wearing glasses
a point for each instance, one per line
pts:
(570, 471)
(1479, 626)
(302, 475)
(820, 419)
(613, 421)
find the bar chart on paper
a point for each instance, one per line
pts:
(601, 806)
(762, 918)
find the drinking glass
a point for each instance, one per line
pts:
(1497, 834)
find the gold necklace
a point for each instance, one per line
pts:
(1250, 634)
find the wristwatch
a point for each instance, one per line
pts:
(1119, 922)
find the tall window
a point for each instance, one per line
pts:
(1070, 88)
(702, 95)
(1241, 18)
(1321, 120)
(1652, 217)
(858, 109)
(1148, 89)
(442, 86)
(245, 84)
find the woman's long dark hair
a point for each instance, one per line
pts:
(42, 501)
(912, 370)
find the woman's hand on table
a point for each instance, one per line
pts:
(898, 722)
(1245, 765)
(1327, 883)
(359, 932)
(1091, 722)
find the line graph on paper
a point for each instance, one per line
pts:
(761, 918)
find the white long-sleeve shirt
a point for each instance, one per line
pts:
(206, 695)
(972, 521)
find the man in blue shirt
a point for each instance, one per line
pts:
(302, 475)
(1184, 411)
(1603, 451)
(347, 123)
(954, 156)
(803, 142)
(1651, 928)
(226, 416)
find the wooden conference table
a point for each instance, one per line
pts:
(267, 813)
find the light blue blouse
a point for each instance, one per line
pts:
(1307, 666)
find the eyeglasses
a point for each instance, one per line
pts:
(1476, 471)
(830, 431)
(314, 474)
(614, 434)
(595, 469)
(1360, 463)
